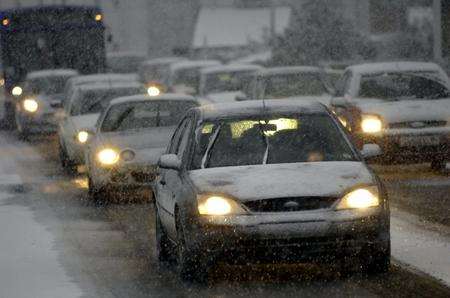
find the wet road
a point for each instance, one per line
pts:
(108, 250)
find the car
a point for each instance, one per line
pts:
(105, 78)
(184, 76)
(124, 61)
(265, 181)
(404, 107)
(81, 115)
(40, 107)
(224, 83)
(304, 83)
(155, 72)
(131, 135)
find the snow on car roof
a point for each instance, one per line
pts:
(193, 64)
(230, 68)
(62, 72)
(163, 60)
(259, 107)
(254, 58)
(288, 70)
(146, 97)
(109, 86)
(103, 77)
(121, 54)
(368, 68)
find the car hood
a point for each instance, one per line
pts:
(248, 183)
(407, 110)
(148, 144)
(221, 97)
(87, 121)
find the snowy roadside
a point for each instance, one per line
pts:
(423, 246)
(29, 264)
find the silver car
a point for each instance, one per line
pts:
(268, 181)
(130, 137)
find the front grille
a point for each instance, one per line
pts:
(142, 177)
(418, 124)
(290, 204)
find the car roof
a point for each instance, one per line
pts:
(231, 68)
(288, 70)
(259, 107)
(62, 72)
(114, 85)
(146, 97)
(368, 68)
(124, 54)
(193, 64)
(163, 60)
(103, 77)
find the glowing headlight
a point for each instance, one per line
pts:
(360, 198)
(30, 105)
(371, 124)
(17, 91)
(218, 205)
(108, 157)
(153, 91)
(82, 136)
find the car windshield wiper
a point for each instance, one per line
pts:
(266, 141)
(211, 143)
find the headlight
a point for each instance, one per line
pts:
(82, 136)
(218, 205)
(153, 91)
(17, 91)
(360, 198)
(371, 124)
(30, 105)
(108, 157)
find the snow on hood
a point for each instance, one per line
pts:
(221, 97)
(407, 110)
(255, 182)
(87, 121)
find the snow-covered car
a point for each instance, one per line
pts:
(404, 107)
(154, 73)
(184, 76)
(39, 109)
(130, 137)
(124, 62)
(224, 83)
(304, 83)
(99, 78)
(81, 115)
(265, 181)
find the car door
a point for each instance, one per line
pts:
(164, 194)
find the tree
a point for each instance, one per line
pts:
(319, 33)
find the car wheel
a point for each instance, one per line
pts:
(163, 244)
(189, 265)
(438, 164)
(68, 166)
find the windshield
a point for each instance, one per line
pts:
(133, 116)
(47, 85)
(125, 64)
(253, 141)
(189, 77)
(403, 86)
(154, 73)
(227, 81)
(291, 85)
(91, 102)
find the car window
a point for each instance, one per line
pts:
(173, 148)
(290, 85)
(288, 139)
(185, 135)
(343, 84)
(226, 81)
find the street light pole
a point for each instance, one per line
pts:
(437, 31)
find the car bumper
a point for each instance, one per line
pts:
(127, 176)
(46, 123)
(292, 237)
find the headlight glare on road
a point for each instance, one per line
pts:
(218, 205)
(360, 198)
(153, 91)
(30, 105)
(371, 124)
(82, 136)
(108, 157)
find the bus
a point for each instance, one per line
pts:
(48, 37)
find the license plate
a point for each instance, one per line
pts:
(419, 141)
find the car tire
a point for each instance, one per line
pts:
(190, 267)
(68, 166)
(163, 244)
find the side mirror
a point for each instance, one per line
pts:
(371, 150)
(169, 161)
(241, 97)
